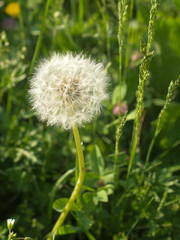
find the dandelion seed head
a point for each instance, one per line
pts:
(68, 89)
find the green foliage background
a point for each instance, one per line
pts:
(37, 163)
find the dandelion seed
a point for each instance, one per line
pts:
(68, 89)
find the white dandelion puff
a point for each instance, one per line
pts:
(68, 89)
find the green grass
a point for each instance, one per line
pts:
(131, 188)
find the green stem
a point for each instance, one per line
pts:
(77, 187)
(129, 39)
(40, 37)
(9, 99)
(116, 153)
(133, 146)
(120, 43)
(9, 235)
(22, 30)
(54, 190)
(122, 12)
(119, 131)
(150, 150)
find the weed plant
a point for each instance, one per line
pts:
(131, 186)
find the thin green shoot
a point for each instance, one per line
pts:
(122, 18)
(162, 116)
(40, 37)
(128, 41)
(120, 126)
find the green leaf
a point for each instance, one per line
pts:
(158, 102)
(60, 203)
(174, 168)
(131, 115)
(102, 196)
(97, 161)
(119, 94)
(90, 201)
(67, 229)
(84, 221)
(24, 153)
(109, 188)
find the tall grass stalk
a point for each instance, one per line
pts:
(122, 14)
(103, 11)
(22, 29)
(119, 131)
(161, 118)
(122, 17)
(40, 37)
(151, 27)
(128, 41)
(143, 77)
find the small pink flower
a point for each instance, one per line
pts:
(136, 55)
(116, 110)
(120, 108)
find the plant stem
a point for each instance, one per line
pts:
(129, 39)
(40, 37)
(170, 96)
(150, 150)
(122, 18)
(54, 190)
(77, 187)
(143, 77)
(22, 30)
(119, 131)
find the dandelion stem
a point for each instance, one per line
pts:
(77, 187)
